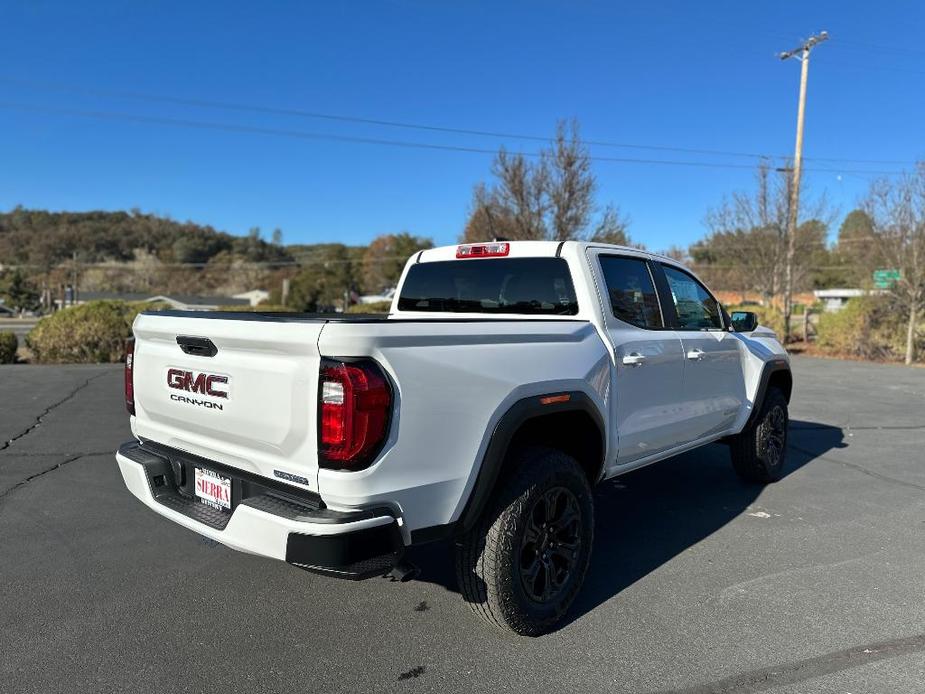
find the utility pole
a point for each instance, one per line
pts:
(74, 295)
(801, 53)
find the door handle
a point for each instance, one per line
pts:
(696, 354)
(634, 359)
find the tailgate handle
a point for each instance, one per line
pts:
(197, 346)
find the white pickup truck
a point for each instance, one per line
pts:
(508, 379)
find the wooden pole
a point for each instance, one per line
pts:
(802, 54)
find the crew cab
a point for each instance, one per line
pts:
(507, 380)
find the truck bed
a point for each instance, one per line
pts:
(463, 370)
(293, 317)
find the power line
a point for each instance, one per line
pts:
(270, 110)
(876, 68)
(864, 46)
(808, 247)
(305, 135)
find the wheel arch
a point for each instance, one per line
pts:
(774, 374)
(571, 422)
(782, 379)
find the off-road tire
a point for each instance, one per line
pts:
(759, 453)
(495, 560)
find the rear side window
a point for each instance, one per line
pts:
(531, 286)
(696, 307)
(632, 294)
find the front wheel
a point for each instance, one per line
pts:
(759, 452)
(522, 565)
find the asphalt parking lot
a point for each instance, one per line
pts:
(698, 583)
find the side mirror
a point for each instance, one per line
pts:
(744, 321)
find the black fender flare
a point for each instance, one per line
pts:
(770, 368)
(503, 434)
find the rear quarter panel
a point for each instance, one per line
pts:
(453, 381)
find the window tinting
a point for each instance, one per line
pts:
(697, 310)
(632, 294)
(535, 286)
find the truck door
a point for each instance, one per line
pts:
(714, 380)
(649, 363)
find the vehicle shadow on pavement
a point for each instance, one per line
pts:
(649, 516)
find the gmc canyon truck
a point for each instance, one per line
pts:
(508, 379)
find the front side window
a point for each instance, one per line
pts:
(632, 294)
(696, 308)
(531, 286)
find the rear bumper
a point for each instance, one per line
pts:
(265, 519)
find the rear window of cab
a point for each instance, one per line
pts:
(527, 286)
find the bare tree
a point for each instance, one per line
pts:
(488, 218)
(522, 190)
(897, 212)
(612, 228)
(746, 244)
(678, 253)
(551, 198)
(571, 184)
(746, 248)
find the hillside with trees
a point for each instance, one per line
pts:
(43, 239)
(103, 251)
(129, 252)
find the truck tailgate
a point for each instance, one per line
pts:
(251, 405)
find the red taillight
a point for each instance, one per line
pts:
(483, 250)
(355, 401)
(129, 380)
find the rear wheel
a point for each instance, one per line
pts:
(759, 452)
(523, 564)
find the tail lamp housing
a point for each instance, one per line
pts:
(129, 375)
(354, 412)
(494, 249)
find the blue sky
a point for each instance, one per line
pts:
(689, 75)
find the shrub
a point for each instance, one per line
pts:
(375, 307)
(871, 327)
(87, 334)
(846, 331)
(8, 345)
(91, 333)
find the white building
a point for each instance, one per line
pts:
(836, 299)
(254, 296)
(377, 298)
(183, 302)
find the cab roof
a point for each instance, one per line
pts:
(533, 249)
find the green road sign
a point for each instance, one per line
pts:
(884, 279)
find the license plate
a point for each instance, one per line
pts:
(213, 489)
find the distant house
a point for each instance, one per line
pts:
(377, 298)
(836, 299)
(6, 311)
(254, 296)
(183, 302)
